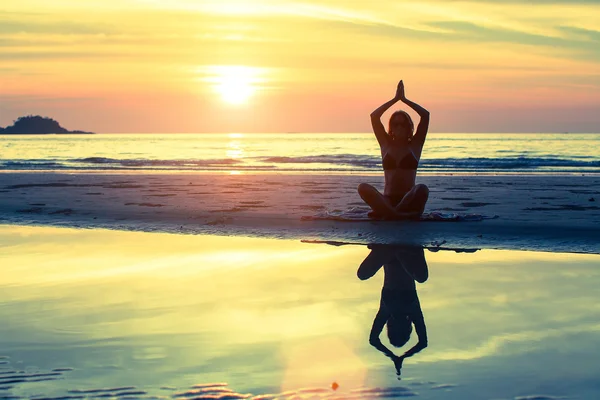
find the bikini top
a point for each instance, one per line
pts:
(408, 162)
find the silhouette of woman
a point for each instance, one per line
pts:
(400, 154)
(399, 307)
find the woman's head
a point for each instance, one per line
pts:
(399, 330)
(401, 126)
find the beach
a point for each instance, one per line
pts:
(546, 213)
(180, 216)
(237, 274)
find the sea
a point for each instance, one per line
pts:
(319, 153)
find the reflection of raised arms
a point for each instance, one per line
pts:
(380, 320)
(378, 324)
(419, 322)
(413, 261)
(369, 267)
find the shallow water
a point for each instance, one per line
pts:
(318, 152)
(90, 313)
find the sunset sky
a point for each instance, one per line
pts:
(310, 66)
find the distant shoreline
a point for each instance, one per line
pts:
(37, 125)
(44, 134)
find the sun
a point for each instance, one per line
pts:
(236, 84)
(235, 89)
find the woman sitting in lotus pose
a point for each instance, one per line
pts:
(400, 153)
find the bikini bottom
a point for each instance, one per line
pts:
(394, 200)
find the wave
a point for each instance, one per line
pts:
(29, 164)
(151, 163)
(507, 163)
(504, 163)
(323, 162)
(355, 160)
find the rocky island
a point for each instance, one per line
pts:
(35, 124)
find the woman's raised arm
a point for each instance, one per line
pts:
(423, 126)
(378, 128)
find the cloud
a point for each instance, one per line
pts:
(473, 52)
(571, 45)
(51, 55)
(589, 34)
(12, 26)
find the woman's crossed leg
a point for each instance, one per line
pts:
(411, 206)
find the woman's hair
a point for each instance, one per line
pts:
(408, 119)
(398, 331)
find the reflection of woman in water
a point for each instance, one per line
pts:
(399, 307)
(400, 153)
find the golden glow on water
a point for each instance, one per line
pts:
(235, 149)
(276, 313)
(308, 363)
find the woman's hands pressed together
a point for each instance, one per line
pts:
(400, 93)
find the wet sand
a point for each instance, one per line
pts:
(549, 213)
